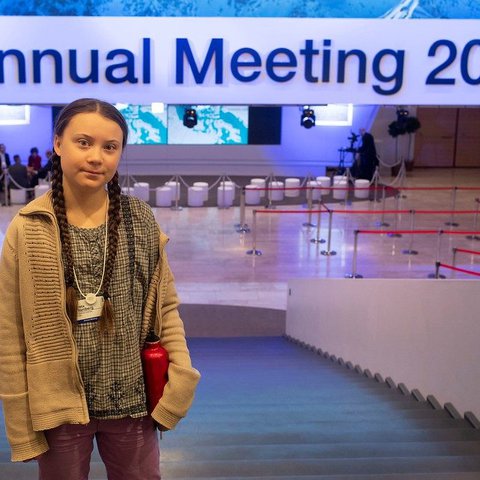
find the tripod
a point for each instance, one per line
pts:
(342, 156)
(343, 153)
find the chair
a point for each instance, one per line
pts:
(291, 183)
(360, 183)
(252, 194)
(276, 195)
(141, 190)
(163, 196)
(195, 196)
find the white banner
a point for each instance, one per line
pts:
(241, 61)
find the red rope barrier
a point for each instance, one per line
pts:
(414, 232)
(421, 212)
(425, 188)
(405, 232)
(291, 211)
(457, 269)
(387, 187)
(438, 188)
(463, 250)
(445, 212)
(371, 212)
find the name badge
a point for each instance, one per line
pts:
(89, 312)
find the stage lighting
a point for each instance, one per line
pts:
(307, 119)
(402, 114)
(190, 117)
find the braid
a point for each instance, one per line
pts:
(60, 213)
(114, 218)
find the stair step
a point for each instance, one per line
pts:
(401, 405)
(382, 476)
(280, 437)
(287, 468)
(326, 412)
(29, 471)
(305, 451)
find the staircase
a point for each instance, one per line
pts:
(269, 409)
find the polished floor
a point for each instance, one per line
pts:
(211, 265)
(208, 256)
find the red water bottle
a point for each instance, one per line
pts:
(155, 369)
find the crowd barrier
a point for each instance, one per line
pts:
(470, 234)
(271, 190)
(439, 233)
(453, 268)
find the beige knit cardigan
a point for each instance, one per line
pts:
(40, 382)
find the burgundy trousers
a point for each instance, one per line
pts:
(128, 447)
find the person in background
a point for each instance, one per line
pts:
(34, 160)
(4, 157)
(4, 163)
(84, 277)
(367, 156)
(18, 173)
(46, 170)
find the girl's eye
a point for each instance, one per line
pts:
(110, 147)
(83, 143)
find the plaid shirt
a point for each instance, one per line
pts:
(111, 366)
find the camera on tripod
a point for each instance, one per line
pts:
(353, 138)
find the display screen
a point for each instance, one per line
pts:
(146, 125)
(216, 125)
(265, 125)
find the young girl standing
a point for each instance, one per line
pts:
(83, 278)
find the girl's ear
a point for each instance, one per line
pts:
(56, 145)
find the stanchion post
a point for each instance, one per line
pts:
(242, 227)
(375, 194)
(410, 250)
(454, 256)
(317, 238)
(329, 252)
(475, 222)
(309, 223)
(5, 187)
(177, 207)
(254, 250)
(395, 219)
(354, 273)
(437, 260)
(347, 193)
(268, 184)
(382, 222)
(452, 222)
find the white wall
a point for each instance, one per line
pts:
(423, 333)
(301, 152)
(19, 139)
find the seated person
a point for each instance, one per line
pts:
(45, 171)
(18, 174)
(34, 160)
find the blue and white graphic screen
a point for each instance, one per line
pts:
(216, 125)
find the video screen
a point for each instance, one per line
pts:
(216, 125)
(146, 124)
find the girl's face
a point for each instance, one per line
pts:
(90, 148)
